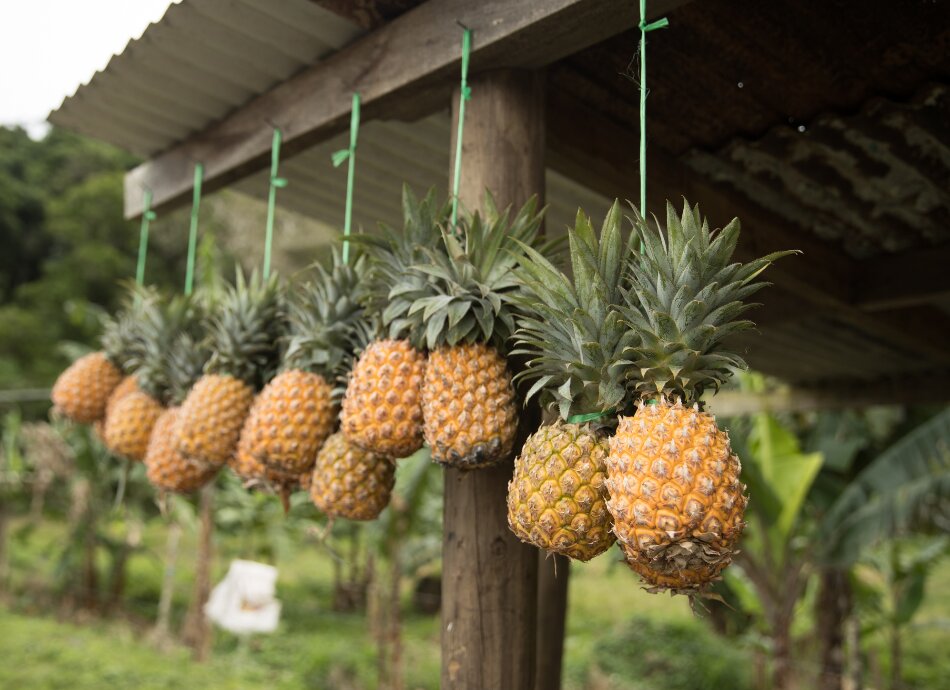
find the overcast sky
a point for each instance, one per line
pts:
(50, 47)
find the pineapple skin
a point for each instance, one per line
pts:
(82, 391)
(212, 417)
(675, 496)
(348, 482)
(382, 408)
(468, 403)
(255, 474)
(289, 421)
(128, 385)
(129, 427)
(165, 467)
(557, 498)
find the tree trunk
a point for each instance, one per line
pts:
(782, 671)
(832, 609)
(553, 575)
(197, 631)
(489, 584)
(163, 623)
(897, 658)
(4, 557)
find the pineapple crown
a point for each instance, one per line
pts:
(122, 337)
(163, 320)
(185, 362)
(393, 255)
(470, 291)
(572, 332)
(170, 327)
(685, 299)
(323, 317)
(245, 331)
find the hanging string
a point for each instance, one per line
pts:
(644, 29)
(275, 183)
(193, 231)
(147, 216)
(465, 94)
(338, 158)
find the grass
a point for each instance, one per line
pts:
(316, 647)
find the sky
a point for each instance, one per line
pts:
(49, 47)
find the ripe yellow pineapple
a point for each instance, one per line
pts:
(131, 419)
(382, 408)
(675, 493)
(466, 310)
(297, 410)
(82, 392)
(574, 339)
(129, 427)
(166, 468)
(349, 482)
(244, 341)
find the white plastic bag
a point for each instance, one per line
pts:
(243, 602)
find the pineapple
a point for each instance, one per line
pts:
(467, 310)
(244, 337)
(574, 340)
(297, 410)
(130, 421)
(675, 494)
(82, 392)
(166, 467)
(349, 482)
(382, 408)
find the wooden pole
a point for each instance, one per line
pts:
(489, 578)
(553, 575)
(197, 631)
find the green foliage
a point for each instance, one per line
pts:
(66, 245)
(907, 488)
(646, 655)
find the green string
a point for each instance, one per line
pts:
(644, 29)
(193, 231)
(338, 158)
(275, 183)
(465, 94)
(147, 216)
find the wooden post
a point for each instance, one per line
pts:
(197, 630)
(489, 578)
(553, 575)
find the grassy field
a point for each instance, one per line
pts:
(610, 618)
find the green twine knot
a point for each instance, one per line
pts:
(149, 215)
(466, 93)
(589, 417)
(658, 24)
(279, 182)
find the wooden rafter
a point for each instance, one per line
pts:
(900, 280)
(406, 67)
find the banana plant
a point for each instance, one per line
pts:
(776, 554)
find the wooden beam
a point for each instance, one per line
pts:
(910, 278)
(489, 577)
(406, 68)
(914, 390)
(590, 148)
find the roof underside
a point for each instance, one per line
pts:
(836, 123)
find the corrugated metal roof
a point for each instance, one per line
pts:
(204, 59)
